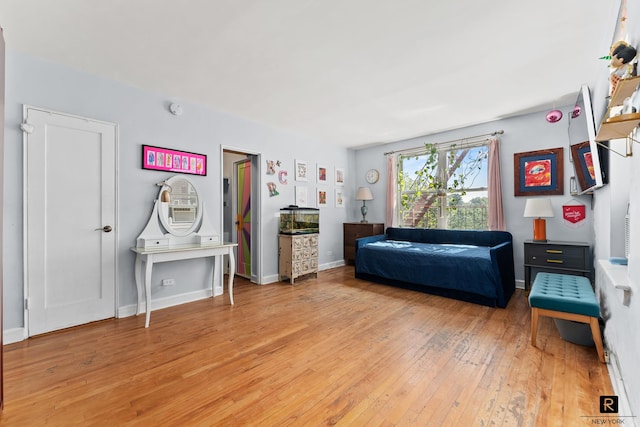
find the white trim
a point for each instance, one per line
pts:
(256, 200)
(165, 302)
(25, 275)
(330, 265)
(9, 336)
(624, 409)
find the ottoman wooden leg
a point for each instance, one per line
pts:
(597, 338)
(534, 325)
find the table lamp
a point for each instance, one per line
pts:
(364, 194)
(539, 209)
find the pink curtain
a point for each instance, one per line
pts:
(391, 190)
(496, 214)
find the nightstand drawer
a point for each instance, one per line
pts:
(559, 256)
(556, 257)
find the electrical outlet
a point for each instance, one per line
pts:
(329, 253)
(168, 282)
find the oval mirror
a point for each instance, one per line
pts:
(180, 209)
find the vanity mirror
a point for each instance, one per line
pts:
(178, 217)
(180, 208)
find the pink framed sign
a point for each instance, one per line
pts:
(164, 159)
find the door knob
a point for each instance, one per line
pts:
(106, 228)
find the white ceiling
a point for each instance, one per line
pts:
(350, 72)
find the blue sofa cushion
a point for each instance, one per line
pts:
(459, 237)
(470, 265)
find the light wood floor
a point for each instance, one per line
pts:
(327, 351)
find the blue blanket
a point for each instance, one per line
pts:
(431, 265)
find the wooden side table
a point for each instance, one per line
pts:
(356, 230)
(556, 257)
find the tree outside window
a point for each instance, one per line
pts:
(444, 187)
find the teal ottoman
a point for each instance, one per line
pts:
(565, 297)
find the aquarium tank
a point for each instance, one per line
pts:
(297, 220)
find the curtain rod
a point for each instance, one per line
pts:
(498, 132)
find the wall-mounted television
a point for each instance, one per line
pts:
(590, 160)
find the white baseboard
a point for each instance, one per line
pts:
(519, 284)
(10, 336)
(274, 278)
(330, 265)
(619, 390)
(270, 279)
(159, 303)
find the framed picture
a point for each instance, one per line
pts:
(166, 159)
(539, 173)
(339, 177)
(302, 170)
(339, 198)
(302, 196)
(583, 164)
(322, 198)
(321, 173)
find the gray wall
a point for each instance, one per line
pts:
(622, 316)
(523, 133)
(143, 118)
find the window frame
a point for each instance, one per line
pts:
(441, 204)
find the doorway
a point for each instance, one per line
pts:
(70, 213)
(241, 207)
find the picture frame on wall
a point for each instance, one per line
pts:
(339, 197)
(302, 196)
(322, 198)
(539, 173)
(322, 174)
(170, 160)
(302, 170)
(583, 164)
(339, 176)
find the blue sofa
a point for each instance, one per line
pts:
(474, 266)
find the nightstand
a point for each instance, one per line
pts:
(356, 230)
(556, 257)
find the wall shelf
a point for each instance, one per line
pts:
(615, 127)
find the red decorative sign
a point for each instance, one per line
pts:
(574, 213)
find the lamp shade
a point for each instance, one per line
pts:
(364, 193)
(538, 208)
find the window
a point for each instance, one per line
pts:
(444, 187)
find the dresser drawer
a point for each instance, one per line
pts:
(352, 233)
(357, 230)
(557, 256)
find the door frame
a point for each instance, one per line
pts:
(116, 284)
(256, 207)
(236, 213)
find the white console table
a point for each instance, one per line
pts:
(150, 256)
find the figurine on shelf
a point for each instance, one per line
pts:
(622, 55)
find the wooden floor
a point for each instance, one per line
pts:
(327, 351)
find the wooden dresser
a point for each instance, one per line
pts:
(298, 255)
(356, 230)
(556, 257)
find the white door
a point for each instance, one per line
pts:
(69, 220)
